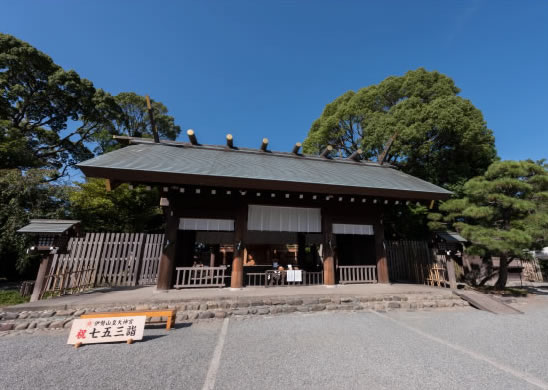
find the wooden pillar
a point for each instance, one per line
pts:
(237, 277)
(451, 271)
(41, 278)
(167, 261)
(328, 255)
(212, 258)
(301, 249)
(382, 263)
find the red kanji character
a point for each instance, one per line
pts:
(81, 334)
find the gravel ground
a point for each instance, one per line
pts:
(354, 350)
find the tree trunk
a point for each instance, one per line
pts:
(503, 273)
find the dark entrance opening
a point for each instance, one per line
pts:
(354, 250)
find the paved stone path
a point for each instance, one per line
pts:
(467, 349)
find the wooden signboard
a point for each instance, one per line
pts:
(106, 330)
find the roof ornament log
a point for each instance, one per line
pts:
(356, 156)
(264, 145)
(296, 148)
(230, 141)
(382, 156)
(152, 123)
(325, 153)
(192, 137)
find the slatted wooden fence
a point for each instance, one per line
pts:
(409, 261)
(105, 259)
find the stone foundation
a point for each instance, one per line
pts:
(196, 310)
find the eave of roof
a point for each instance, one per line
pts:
(148, 162)
(451, 237)
(57, 226)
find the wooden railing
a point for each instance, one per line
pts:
(357, 274)
(280, 278)
(188, 277)
(254, 279)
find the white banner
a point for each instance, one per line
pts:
(284, 219)
(106, 329)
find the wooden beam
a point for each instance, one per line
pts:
(230, 141)
(41, 278)
(356, 156)
(152, 123)
(383, 155)
(296, 148)
(167, 260)
(111, 185)
(192, 137)
(264, 144)
(382, 263)
(326, 151)
(327, 249)
(237, 276)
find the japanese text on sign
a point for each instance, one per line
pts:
(106, 330)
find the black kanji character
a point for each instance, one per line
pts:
(120, 331)
(106, 333)
(93, 333)
(131, 330)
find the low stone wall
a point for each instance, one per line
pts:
(29, 321)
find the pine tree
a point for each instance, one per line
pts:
(502, 213)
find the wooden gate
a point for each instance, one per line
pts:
(105, 259)
(151, 259)
(409, 261)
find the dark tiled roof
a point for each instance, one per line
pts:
(451, 237)
(48, 226)
(251, 165)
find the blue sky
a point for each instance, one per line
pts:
(267, 68)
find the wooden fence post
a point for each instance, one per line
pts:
(39, 284)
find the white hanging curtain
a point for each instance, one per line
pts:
(206, 224)
(284, 219)
(347, 228)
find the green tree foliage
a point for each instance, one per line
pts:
(134, 121)
(120, 210)
(50, 119)
(441, 137)
(22, 197)
(502, 213)
(38, 100)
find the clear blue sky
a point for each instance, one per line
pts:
(267, 68)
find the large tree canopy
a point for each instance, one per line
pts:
(120, 210)
(134, 121)
(441, 137)
(22, 197)
(502, 213)
(38, 101)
